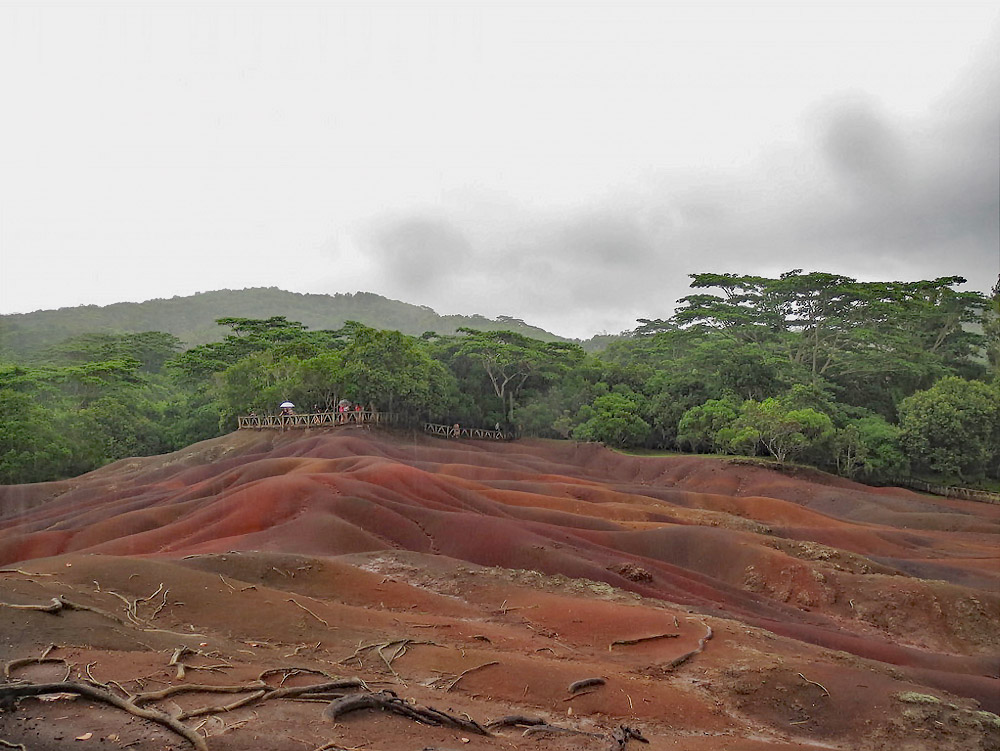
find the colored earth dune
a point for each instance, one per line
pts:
(723, 604)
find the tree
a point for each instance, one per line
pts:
(782, 431)
(699, 427)
(952, 428)
(612, 419)
(869, 446)
(151, 349)
(510, 359)
(899, 334)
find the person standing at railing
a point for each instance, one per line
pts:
(287, 410)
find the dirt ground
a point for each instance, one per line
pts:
(247, 592)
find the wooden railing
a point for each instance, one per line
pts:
(315, 419)
(948, 491)
(457, 431)
(363, 417)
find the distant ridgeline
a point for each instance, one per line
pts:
(192, 319)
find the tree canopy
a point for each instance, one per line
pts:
(874, 380)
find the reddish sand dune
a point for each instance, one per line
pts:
(840, 615)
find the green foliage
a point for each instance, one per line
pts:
(612, 419)
(699, 427)
(783, 432)
(870, 447)
(512, 361)
(811, 366)
(151, 349)
(952, 428)
(192, 319)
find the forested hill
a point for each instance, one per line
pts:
(192, 319)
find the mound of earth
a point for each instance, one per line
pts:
(349, 589)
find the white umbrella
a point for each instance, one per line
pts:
(285, 404)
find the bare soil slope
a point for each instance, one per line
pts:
(722, 606)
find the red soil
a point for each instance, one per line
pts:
(843, 616)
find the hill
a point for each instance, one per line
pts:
(572, 595)
(192, 318)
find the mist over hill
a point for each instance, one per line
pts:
(192, 318)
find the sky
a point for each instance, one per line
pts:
(566, 163)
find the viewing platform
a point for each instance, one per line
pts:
(363, 417)
(316, 419)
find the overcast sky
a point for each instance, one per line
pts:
(568, 163)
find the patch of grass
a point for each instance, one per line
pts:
(987, 718)
(912, 697)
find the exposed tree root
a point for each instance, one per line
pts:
(546, 728)
(17, 691)
(820, 685)
(585, 683)
(296, 603)
(400, 646)
(13, 665)
(515, 720)
(464, 673)
(389, 702)
(626, 642)
(678, 661)
(60, 603)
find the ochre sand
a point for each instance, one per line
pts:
(842, 616)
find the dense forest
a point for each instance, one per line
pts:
(193, 318)
(875, 381)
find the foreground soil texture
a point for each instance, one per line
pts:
(722, 605)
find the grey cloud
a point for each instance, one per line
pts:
(419, 251)
(862, 146)
(866, 195)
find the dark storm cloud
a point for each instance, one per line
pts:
(930, 195)
(865, 193)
